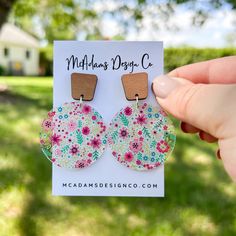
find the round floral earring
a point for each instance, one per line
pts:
(74, 135)
(141, 136)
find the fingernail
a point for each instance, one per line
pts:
(163, 85)
(152, 88)
(201, 135)
(218, 154)
(182, 126)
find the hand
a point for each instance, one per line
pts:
(203, 97)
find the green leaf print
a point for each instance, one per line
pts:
(153, 144)
(79, 137)
(97, 114)
(158, 124)
(79, 124)
(124, 119)
(65, 149)
(114, 135)
(169, 138)
(139, 156)
(95, 155)
(47, 153)
(146, 132)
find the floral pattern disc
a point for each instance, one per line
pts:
(75, 134)
(46, 135)
(141, 137)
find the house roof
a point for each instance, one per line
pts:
(11, 34)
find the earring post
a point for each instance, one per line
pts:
(136, 97)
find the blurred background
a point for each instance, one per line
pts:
(200, 197)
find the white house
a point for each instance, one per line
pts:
(19, 51)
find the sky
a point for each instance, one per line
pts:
(212, 34)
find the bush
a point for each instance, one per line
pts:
(175, 57)
(46, 60)
(2, 70)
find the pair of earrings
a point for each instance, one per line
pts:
(140, 136)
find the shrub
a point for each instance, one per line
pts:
(46, 60)
(175, 57)
(2, 70)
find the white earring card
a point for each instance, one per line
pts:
(108, 60)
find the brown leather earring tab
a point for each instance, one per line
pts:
(83, 85)
(135, 85)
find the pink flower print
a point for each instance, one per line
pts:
(86, 130)
(56, 139)
(47, 124)
(162, 146)
(135, 146)
(165, 127)
(123, 133)
(163, 113)
(104, 128)
(157, 164)
(138, 162)
(110, 140)
(95, 143)
(86, 109)
(51, 113)
(141, 119)
(57, 152)
(42, 142)
(72, 126)
(128, 111)
(74, 150)
(80, 164)
(129, 156)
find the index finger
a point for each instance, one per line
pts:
(217, 71)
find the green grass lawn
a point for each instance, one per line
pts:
(200, 197)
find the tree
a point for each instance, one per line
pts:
(68, 19)
(55, 19)
(5, 7)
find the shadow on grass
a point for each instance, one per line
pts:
(186, 188)
(41, 101)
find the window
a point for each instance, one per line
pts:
(27, 54)
(6, 52)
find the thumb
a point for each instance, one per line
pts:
(209, 107)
